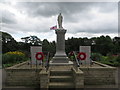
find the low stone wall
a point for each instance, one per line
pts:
(78, 78)
(44, 78)
(22, 77)
(104, 75)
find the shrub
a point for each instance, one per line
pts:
(13, 57)
(96, 56)
(110, 59)
(16, 53)
(118, 59)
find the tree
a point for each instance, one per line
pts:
(103, 45)
(8, 43)
(34, 40)
(116, 42)
(45, 45)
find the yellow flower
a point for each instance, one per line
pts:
(16, 53)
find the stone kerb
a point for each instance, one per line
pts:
(17, 65)
(78, 78)
(44, 78)
(103, 65)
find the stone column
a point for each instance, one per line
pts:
(60, 56)
(60, 45)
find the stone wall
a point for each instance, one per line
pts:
(99, 75)
(22, 77)
(102, 75)
(44, 78)
(78, 78)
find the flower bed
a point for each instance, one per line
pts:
(11, 58)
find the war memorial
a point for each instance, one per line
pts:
(60, 72)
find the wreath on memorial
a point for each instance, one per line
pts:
(71, 53)
(37, 56)
(84, 56)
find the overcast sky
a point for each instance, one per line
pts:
(81, 19)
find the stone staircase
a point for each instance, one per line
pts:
(61, 78)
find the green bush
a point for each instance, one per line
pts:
(96, 56)
(10, 58)
(111, 60)
(118, 59)
(7, 65)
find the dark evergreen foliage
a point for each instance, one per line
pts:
(103, 44)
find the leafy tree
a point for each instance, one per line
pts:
(45, 45)
(34, 40)
(52, 47)
(103, 45)
(116, 42)
(8, 43)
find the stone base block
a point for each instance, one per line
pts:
(60, 59)
(61, 64)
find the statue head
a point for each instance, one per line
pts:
(60, 14)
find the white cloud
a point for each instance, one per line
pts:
(80, 19)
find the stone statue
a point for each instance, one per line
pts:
(60, 19)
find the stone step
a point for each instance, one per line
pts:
(61, 79)
(61, 85)
(60, 72)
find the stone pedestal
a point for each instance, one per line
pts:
(60, 56)
(87, 51)
(34, 50)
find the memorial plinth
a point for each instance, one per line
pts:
(60, 56)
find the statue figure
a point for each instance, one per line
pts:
(60, 19)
